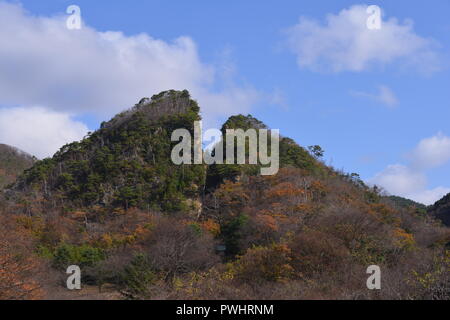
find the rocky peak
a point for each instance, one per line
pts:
(166, 103)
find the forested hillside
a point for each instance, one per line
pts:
(124, 164)
(141, 227)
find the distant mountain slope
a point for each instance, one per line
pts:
(441, 210)
(12, 163)
(404, 203)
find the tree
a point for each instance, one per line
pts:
(261, 264)
(176, 248)
(137, 278)
(317, 151)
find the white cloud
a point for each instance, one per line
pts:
(429, 197)
(411, 181)
(38, 131)
(400, 180)
(344, 43)
(385, 96)
(431, 152)
(44, 63)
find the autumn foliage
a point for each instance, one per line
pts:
(137, 225)
(19, 267)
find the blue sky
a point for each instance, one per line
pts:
(377, 103)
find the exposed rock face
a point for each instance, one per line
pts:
(163, 104)
(12, 163)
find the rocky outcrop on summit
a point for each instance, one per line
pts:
(165, 103)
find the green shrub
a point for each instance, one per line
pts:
(82, 256)
(137, 278)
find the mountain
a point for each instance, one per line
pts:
(116, 205)
(12, 163)
(441, 210)
(290, 155)
(126, 163)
